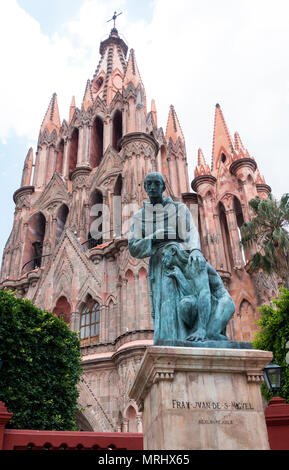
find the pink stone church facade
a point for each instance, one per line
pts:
(100, 155)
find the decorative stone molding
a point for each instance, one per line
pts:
(191, 198)
(203, 179)
(263, 188)
(33, 278)
(113, 39)
(22, 285)
(137, 142)
(241, 163)
(109, 250)
(79, 175)
(255, 376)
(124, 339)
(20, 196)
(47, 138)
(162, 375)
(130, 92)
(225, 276)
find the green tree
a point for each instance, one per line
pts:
(268, 232)
(274, 336)
(41, 366)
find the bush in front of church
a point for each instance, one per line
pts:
(40, 366)
(274, 336)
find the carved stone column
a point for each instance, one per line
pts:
(65, 168)
(75, 321)
(125, 425)
(145, 147)
(79, 178)
(139, 423)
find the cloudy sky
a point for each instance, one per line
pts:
(192, 54)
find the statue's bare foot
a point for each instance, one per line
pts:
(199, 335)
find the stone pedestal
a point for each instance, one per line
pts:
(201, 398)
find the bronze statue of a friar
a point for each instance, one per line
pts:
(189, 303)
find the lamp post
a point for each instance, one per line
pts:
(277, 411)
(273, 378)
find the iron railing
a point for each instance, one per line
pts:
(37, 262)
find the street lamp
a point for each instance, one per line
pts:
(273, 378)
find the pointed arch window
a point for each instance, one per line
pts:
(240, 222)
(32, 256)
(73, 149)
(96, 219)
(117, 207)
(96, 146)
(62, 214)
(116, 130)
(223, 157)
(225, 237)
(59, 158)
(89, 322)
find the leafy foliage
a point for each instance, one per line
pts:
(41, 366)
(274, 335)
(268, 232)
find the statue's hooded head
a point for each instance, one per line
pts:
(154, 184)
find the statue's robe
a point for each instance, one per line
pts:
(178, 225)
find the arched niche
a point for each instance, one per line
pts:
(32, 256)
(73, 149)
(116, 129)
(132, 420)
(225, 237)
(61, 218)
(129, 276)
(247, 318)
(96, 144)
(238, 211)
(62, 309)
(95, 219)
(164, 162)
(59, 158)
(142, 274)
(118, 186)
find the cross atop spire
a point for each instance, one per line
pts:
(115, 15)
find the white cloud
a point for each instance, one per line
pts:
(192, 54)
(35, 65)
(234, 53)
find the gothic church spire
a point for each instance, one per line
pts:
(51, 119)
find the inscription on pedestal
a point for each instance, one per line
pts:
(212, 405)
